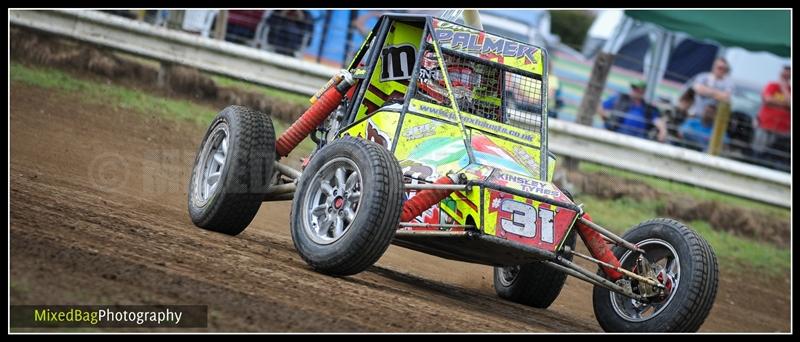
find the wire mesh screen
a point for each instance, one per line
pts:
(482, 89)
(523, 101)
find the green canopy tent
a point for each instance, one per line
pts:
(754, 30)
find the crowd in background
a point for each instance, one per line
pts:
(688, 121)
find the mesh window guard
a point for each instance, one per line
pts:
(482, 89)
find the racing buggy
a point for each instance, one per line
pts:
(435, 139)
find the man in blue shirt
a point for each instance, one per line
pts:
(630, 114)
(696, 132)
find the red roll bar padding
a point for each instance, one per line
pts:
(599, 248)
(424, 200)
(308, 122)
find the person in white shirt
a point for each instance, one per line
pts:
(711, 87)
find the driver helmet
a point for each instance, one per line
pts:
(463, 79)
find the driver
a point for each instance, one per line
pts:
(432, 86)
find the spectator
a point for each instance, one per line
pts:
(161, 17)
(711, 87)
(289, 31)
(678, 113)
(684, 103)
(631, 115)
(695, 132)
(199, 21)
(774, 118)
(242, 26)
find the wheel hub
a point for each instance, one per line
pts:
(338, 203)
(212, 161)
(668, 281)
(661, 263)
(508, 275)
(333, 202)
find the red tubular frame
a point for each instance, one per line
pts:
(308, 122)
(424, 200)
(599, 248)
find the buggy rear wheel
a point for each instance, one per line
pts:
(232, 170)
(534, 284)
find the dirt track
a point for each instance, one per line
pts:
(98, 215)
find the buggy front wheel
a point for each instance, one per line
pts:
(347, 206)
(683, 262)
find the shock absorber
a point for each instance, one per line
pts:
(598, 247)
(425, 199)
(323, 104)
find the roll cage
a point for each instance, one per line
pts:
(511, 78)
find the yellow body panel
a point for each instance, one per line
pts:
(379, 128)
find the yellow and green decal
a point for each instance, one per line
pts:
(488, 47)
(503, 154)
(393, 68)
(378, 128)
(432, 148)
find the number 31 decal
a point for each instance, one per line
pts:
(523, 220)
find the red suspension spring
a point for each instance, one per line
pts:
(424, 200)
(599, 248)
(313, 117)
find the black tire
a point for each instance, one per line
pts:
(368, 235)
(698, 280)
(535, 284)
(245, 174)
